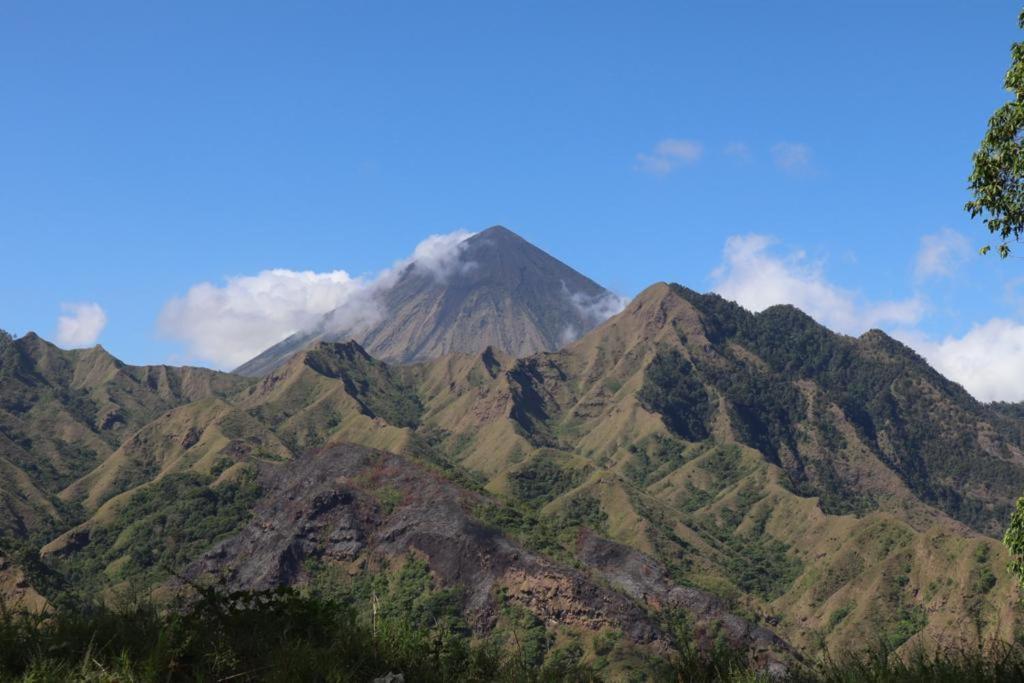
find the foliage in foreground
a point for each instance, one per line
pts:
(282, 635)
(999, 162)
(244, 636)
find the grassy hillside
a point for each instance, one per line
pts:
(832, 490)
(821, 483)
(62, 413)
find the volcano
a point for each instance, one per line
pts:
(499, 291)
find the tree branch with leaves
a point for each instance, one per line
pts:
(997, 180)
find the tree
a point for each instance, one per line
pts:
(997, 180)
(1014, 541)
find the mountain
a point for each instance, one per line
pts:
(753, 472)
(831, 482)
(62, 413)
(499, 290)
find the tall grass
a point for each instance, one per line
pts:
(281, 635)
(993, 662)
(276, 635)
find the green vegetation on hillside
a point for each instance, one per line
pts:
(672, 389)
(161, 528)
(921, 425)
(369, 381)
(657, 456)
(543, 479)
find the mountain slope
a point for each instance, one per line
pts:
(500, 291)
(745, 451)
(64, 412)
(796, 474)
(358, 511)
(325, 394)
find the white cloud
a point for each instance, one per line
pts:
(757, 279)
(988, 361)
(598, 308)
(941, 253)
(669, 154)
(228, 324)
(83, 325)
(594, 309)
(792, 157)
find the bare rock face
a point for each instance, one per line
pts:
(327, 506)
(500, 291)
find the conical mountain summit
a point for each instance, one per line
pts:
(494, 289)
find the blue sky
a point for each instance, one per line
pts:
(148, 148)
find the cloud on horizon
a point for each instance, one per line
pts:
(228, 324)
(82, 325)
(988, 361)
(668, 155)
(756, 278)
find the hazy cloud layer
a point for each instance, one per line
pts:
(738, 150)
(81, 326)
(792, 157)
(941, 254)
(668, 155)
(756, 279)
(226, 325)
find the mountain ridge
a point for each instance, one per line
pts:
(794, 473)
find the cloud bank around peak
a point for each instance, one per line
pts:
(756, 278)
(227, 324)
(81, 325)
(439, 255)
